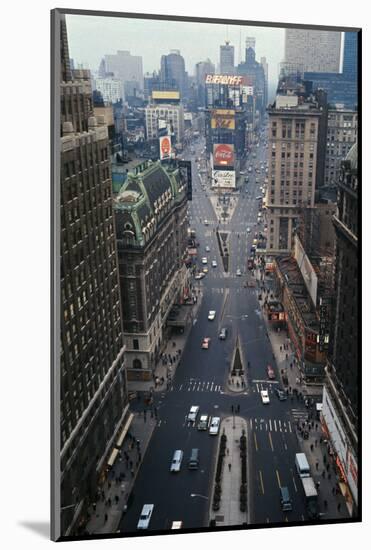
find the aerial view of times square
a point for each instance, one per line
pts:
(209, 341)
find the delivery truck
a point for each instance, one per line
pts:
(311, 497)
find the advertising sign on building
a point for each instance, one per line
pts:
(165, 147)
(224, 178)
(223, 118)
(223, 154)
(226, 79)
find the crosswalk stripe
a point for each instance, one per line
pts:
(289, 423)
(270, 424)
(279, 423)
(275, 426)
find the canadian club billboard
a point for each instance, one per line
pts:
(223, 155)
(165, 147)
(224, 179)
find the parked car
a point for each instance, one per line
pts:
(145, 516)
(193, 412)
(211, 315)
(223, 333)
(214, 425)
(204, 422)
(205, 343)
(270, 373)
(264, 396)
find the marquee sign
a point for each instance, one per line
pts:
(227, 79)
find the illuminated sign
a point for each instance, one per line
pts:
(229, 80)
(224, 178)
(165, 147)
(223, 118)
(165, 94)
(223, 154)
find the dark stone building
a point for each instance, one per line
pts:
(151, 222)
(341, 397)
(93, 396)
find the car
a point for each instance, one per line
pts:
(204, 260)
(257, 180)
(281, 394)
(259, 198)
(223, 334)
(248, 230)
(176, 462)
(207, 248)
(193, 412)
(211, 315)
(205, 343)
(199, 276)
(145, 516)
(204, 422)
(242, 172)
(213, 263)
(214, 425)
(265, 397)
(270, 373)
(250, 169)
(206, 222)
(238, 273)
(255, 241)
(205, 270)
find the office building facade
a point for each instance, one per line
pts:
(314, 50)
(226, 63)
(151, 221)
(173, 73)
(93, 396)
(126, 67)
(341, 399)
(342, 130)
(110, 88)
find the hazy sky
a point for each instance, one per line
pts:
(91, 37)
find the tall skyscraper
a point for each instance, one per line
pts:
(227, 58)
(340, 397)
(255, 74)
(202, 69)
(173, 72)
(93, 396)
(126, 67)
(316, 51)
(293, 139)
(350, 67)
(264, 64)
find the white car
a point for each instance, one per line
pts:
(199, 276)
(238, 273)
(193, 412)
(211, 315)
(204, 260)
(214, 425)
(207, 248)
(265, 397)
(213, 263)
(248, 230)
(176, 461)
(203, 423)
(206, 222)
(145, 516)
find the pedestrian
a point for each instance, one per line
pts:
(94, 506)
(227, 451)
(132, 472)
(329, 476)
(327, 467)
(109, 502)
(339, 506)
(317, 464)
(230, 466)
(325, 504)
(334, 490)
(311, 445)
(324, 458)
(316, 426)
(131, 463)
(103, 495)
(315, 442)
(116, 499)
(318, 484)
(105, 518)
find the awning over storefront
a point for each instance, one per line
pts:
(124, 431)
(112, 458)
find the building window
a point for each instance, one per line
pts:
(135, 343)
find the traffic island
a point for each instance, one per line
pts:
(228, 505)
(223, 242)
(236, 377)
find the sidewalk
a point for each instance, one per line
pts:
(229, 512)
(114, 494)
(171, 355)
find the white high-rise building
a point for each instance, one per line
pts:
(110, 88)
(317, 51)
(125, 66)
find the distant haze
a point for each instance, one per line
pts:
(91, 37)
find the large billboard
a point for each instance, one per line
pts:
(223, 155)
(224, 178)
(165, 147)
(223, 118)
(227, 79)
